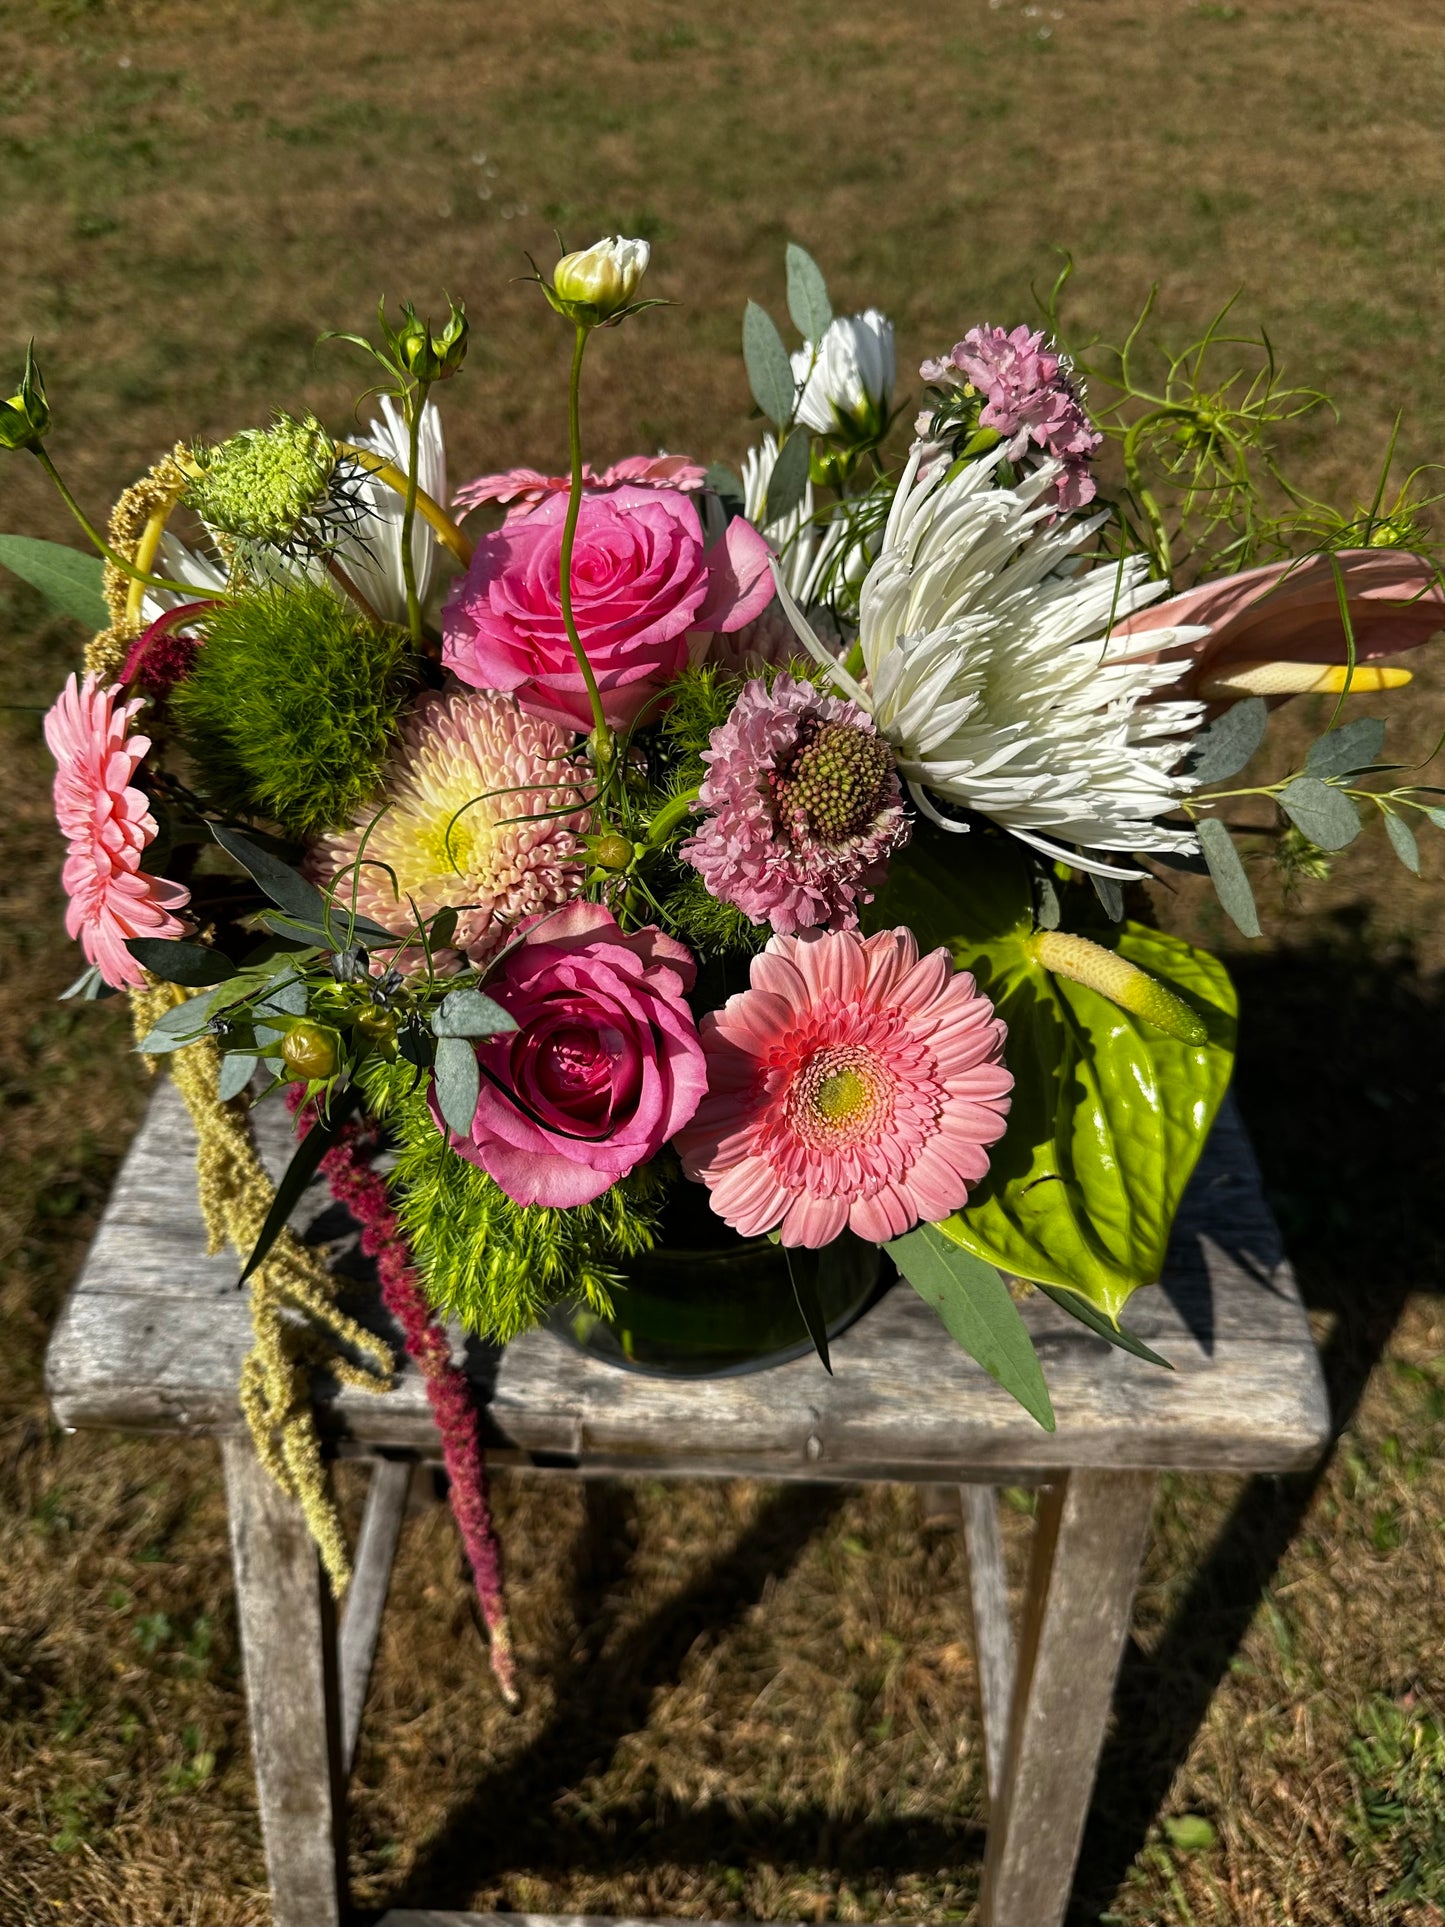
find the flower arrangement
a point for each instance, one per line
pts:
(760, 840)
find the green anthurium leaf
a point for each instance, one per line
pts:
(69, 579)
(1108, 1114)
(975, 1306)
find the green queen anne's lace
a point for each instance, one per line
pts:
(272, 487)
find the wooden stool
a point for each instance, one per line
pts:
(153, 1336)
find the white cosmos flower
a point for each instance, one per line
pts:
(369, 547)
(849, 388)
(179, 564)
(990, 669)
(795, 537)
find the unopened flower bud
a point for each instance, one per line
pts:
(25, 417)
(311, 1051)
(596, 283)
(613, 852)
(428, 356)
(847, 386)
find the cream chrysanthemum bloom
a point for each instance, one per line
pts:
(481, 810)
(991, 669)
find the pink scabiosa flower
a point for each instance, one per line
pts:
(643, 582)
(603, 1067)
(108, 825)
(853, 1085)
(481, 809)
(804, 808)
(1029, 397)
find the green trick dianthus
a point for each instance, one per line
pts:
(292, 706)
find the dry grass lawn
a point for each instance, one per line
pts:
(740, 1701)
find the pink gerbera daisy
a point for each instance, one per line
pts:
(108, 826)
(803, 808)
(853, 1085)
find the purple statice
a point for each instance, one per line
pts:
(803, 808)
(1028, 397)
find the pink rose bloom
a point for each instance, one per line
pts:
(108, 825)
(524, 488)
(643, 582)
(604, 1066)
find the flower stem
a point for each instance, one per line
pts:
(415, 407)
(676, 810)
(384, 471)
(191, 590)
(601, 734)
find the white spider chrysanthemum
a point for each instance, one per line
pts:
(370, 548)
(990, 669)
(795, 536)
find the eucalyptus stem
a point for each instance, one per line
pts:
(415, 408)
(601, 734)
(192, 590)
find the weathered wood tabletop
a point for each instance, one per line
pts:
(153, 1337)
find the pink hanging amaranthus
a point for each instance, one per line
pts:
(363, 1193)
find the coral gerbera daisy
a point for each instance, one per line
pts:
(854, 1084)
(480, 810)
(108, 825)
(804, 807)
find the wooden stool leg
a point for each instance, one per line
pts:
(993, 1638)
(386, 1503)
(1088, 1543)
(288, 1643)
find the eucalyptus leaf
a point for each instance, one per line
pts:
(1109, 895)
(974, 1304)
(176, 961)
(237, 1070)
(726, 486)
(770, 372)
(470, 1013)
(1402, 841)
(1047, 907)
(87, 987)
(1231, 884)
(1320, 812)
(803, 1275)
(789, 478)
(69, 579)
(286, 887)
(458, 1083)
(1436, 816)
(1102, 1327)
(443, 927)
(1227, 744)
(808, 303)
(1108, 1114)
(305, 1162)
(174, 1028)
(1352, 746)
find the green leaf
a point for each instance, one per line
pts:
(770, 373)
(1231, 884)
(458, 1083)
(726, 486)
(306, 911)
(176, 1027)
(1326, 816)
(1402, 841)
(808, 302)
(175, 961)
(803, 1275)
(69, 579)
(1437, 817)
(789, 478)
(1190, 1832)
(305, 1162)
(1108, 1114)
(1230, 740)
(974, 1303)
(443, 927)
(469, 1013)
(1110, 896)
(237, 1070)
(1352, 746)
(1102, 1327)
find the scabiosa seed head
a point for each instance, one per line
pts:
(804, 808)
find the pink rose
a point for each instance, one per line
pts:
(643, 581)
(604, 1066)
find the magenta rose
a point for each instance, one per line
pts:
(643, 581)
(603, 1067)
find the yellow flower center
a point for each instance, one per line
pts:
(841, 1095)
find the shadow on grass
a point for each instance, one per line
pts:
(1342, 1061)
